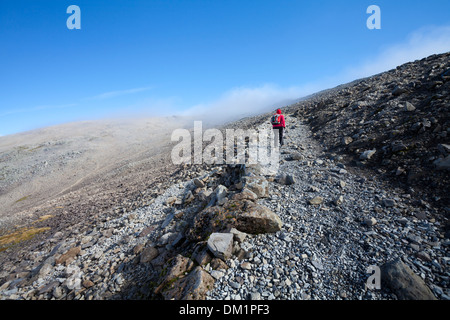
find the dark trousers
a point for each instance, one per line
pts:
(279, 132)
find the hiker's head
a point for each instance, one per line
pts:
(279, 111)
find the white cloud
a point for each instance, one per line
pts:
(244, 101)
(419, 44)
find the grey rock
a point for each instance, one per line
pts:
(347, 140)
(148, 254)
(316, 200)
(257, 219)
(389, 203)
(404, 282)
(409, 107)
(366, 155)
(286, 179)
(258, 185)
(442, 163)
(370, 221)
(194, 286)
(221, 245)
(198, 183)
(238, 235)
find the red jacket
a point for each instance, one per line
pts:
(282, 123)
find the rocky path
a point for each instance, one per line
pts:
(336, 224)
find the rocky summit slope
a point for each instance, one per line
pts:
(396, 124)
(360, 187)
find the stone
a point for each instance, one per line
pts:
(220, 193)
(286, 179)
(316, 200)
(204, 195)
(389, 203)
(246, 266)
(221, 245)
(338, 201)
(406, 285)
(370, 221)
(296, 156)
(238, 235)
(255, 296)
(347, 140)
(171, 200)
(442, 163)
(198, 183)
(218, 264)
(409, 107)
(444, 148)
(216, 274)
(194, 286)
(245, 194)
(398, 91)
(258, 185)
(175, 268)
(87, 283)
(45, 269)
(148, 254)
(423, 256)
(257, 219)
(366, 155)
(73, 282)
(68, 256)
(203, 257)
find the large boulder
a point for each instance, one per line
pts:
(406, 285)
(257, 219)
(244, 215)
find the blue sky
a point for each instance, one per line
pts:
(151, 58)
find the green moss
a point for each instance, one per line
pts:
(22, 199)
(18, 236)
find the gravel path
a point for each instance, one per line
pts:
(324, 249)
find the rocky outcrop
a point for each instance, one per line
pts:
(393, 124)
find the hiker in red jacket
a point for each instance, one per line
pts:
(279, 125)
